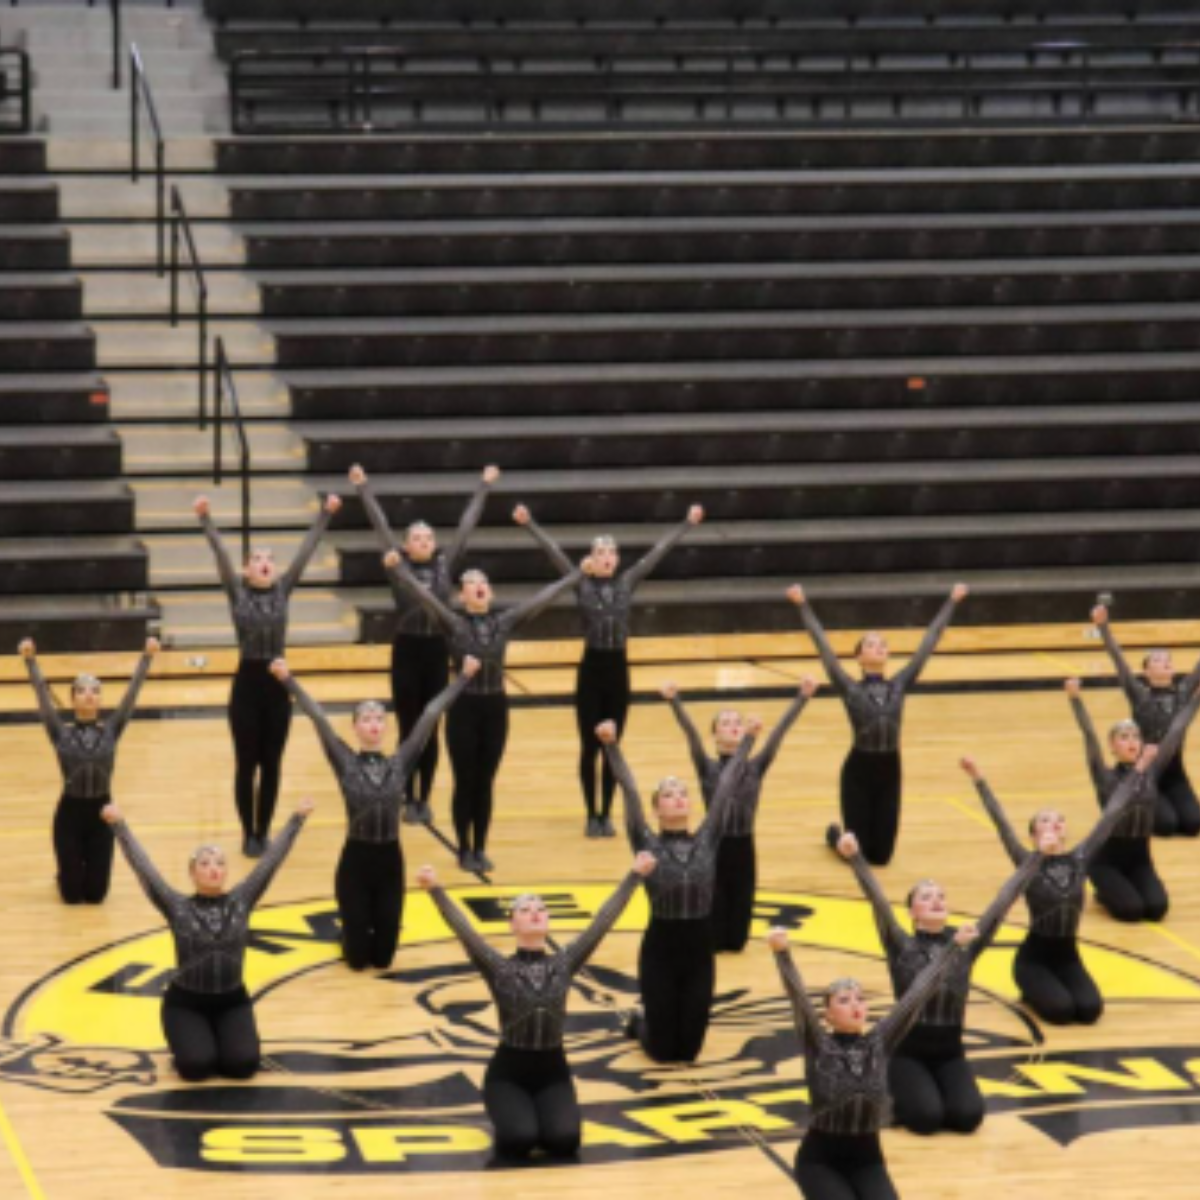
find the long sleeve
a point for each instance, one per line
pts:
(45, 702)
(225, 568)
(891, 932)
(640, 569)
(308, 548)
(1012, 890)
(157, 890)
(1091, 746)
(893, 1029)
(804, 1016)
(1192, 681)
(726, 791)
(466, 526)
(121, 717)
(838, 676)
(1113, 812)
(335, 749)
(584, 946)
(556, 554)
(635, 817)
(411, 749)
(1169, 746)
(928, 645)
(1128, 680)
(377, 517)
(478, 951)
(700, 760)
(530, 608)
(251, 888)
(440, 612)
(1008, 835)
(766, 756)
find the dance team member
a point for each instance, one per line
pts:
(420, 657)
(737, 859)
(871, 774)
(260, 713)
(676, 969)
(528, 1091)
(602, 682)
(87, 755)
(207, 1016)
(369, 883)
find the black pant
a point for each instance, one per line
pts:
(1178, 811)
(1126, 882)
(601, 694)
(211, 1035)
(843, 1166)
(530, 1099)
(733, 901)
(871, 802)
(932, 1084)
(260, 715)
(1055, 983)
(677, 976)
(420, 673)
(476, 732)
(83, 846)
(370, 896)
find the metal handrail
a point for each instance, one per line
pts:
(140, 95)
(114, 8)
(182, 236)
(25, 121)
(225, 387)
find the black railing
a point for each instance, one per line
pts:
(15, 86)
(182, 238)
(114, 8)
(140, 96)
(225, 389)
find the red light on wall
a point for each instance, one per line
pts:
(98, 398)
(916, 384)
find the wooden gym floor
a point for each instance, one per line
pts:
(371, 1080)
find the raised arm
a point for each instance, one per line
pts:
(1017, 850)
(766, 756)
(528, 609)
(584, 946)
(121, 717)
(891, 932)
(478, 951)
(41, 689)
(251, 889)
(1173, 739)
(640, 569)
(335, 749)
(557, 555)
(308, 547)
(726, 790)
(933, 635)
(410, 750)
(894, 1028)
(838, 675)
(1091, 743)
(373, 509)
(158, 891)
(470, 519)
(398, 569)
(804, 1016)
(700, 759)
(1125, 675)
(225, 568)
(1013, 889)
(1118, 804)
(635, 818)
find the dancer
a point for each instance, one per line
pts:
(420, 656)
(1122, 870)
(846, 1069)
(370, 876)
(932, 1084)
(477, 727)
(260, 713)
(1047, 969)
(871, 774)
(528, 1091)
(737, 860)
(676, 968)
(1154, 698)
(207, 1016)
(602, 681)
(87, 756)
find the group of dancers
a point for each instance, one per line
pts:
(699, 881)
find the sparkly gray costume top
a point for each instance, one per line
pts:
(1153, 708)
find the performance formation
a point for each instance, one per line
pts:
(696, 858)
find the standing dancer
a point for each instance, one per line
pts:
(871, 774)
(528, 1090)
(477, 727)
(1155, 697)
(420, 656)
(87, 756)
(737, 860)
(932, 1083)
(207, 1016)
(370, 875)
(260, 713)
(1122, 870)
(846, 1070)
(602, 682)
(676, 968)
(1047, 969)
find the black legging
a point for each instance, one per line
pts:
(1177, 813)
(476, 732)
(260, 716)
(370, 896)
(871, 802)
(733, 902)
(530, 1099)
(843, 1166)
(677, 976)
(601, 694)
(211, 1035)
(420, 672)
(933, 1086)
(83, 846)
(1055, 983)
(1126, 882)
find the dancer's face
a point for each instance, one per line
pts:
(1049, 831)
(846, 1011)
(1159, 668)
(605, 560)
(420, 544)
(928, 907)
(85, 699)
(209, 871)
(1126, 744)
(476, 593)
(727, 730)
(259, 570)
(873, 652)
(530, 920)
(370, 726)
(672, 804)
